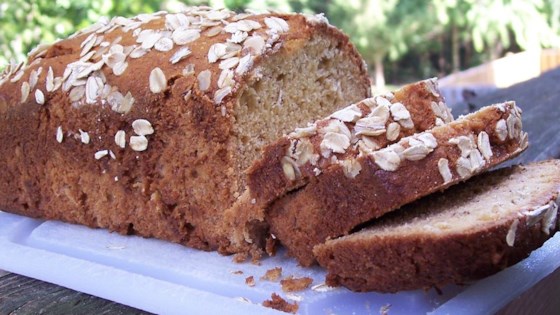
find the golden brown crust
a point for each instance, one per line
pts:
(396, 262)
(59, 154)
(332, 204)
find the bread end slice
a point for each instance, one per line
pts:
(467, 232)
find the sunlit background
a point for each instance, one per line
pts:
(401, 40)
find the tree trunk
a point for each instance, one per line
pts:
(455, 58)
(379, 73)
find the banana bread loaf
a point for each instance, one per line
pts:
(467, 232)
(291, 161)
(145, 125)
(333, 204)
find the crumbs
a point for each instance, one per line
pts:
(278, 303)
(295, 284)
(272, 274)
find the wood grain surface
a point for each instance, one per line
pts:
(540, 100)
(21, 295)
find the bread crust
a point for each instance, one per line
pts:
(332, 205)
(365, 261)
(178, 188)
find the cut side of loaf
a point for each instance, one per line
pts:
(145, 125)
(333, 204)
(294, 159)
(467, 232)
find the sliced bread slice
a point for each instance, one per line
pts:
(294, 159)
(467, 232)
(333, 204)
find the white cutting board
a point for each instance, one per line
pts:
(166, 278)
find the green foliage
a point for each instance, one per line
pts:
(402, 33)
(24, 23)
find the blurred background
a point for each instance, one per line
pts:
(474, 46)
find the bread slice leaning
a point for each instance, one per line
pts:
(333, 204)
(468, 232)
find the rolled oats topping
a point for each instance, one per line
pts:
(120, 139)
(39, 97)
(367, 145)
(428, 139)
(304, 132)
(510, 236)
(535, 215)
(100, 154)
(204, 78)
(513, 124)
(401, 115)
(501, 130)
(276, 24)
(432, 86)
(289, 168)
(59, 134)
(334, 142)
(142, 127)
(49, 85)
(226, 79)
(158, 82)
(138, 143)
(221, 93)
(382, 101)
(393, 131)
(464, 143)
(441, 111)
(483, 143)
(84, 137)
(336, 126)
(183, 36)
(549, 218)
(351, 167)
(381, 111)
(348, 114)
(444, 171)
(416, 152)
(24, 91)
(387, 159)
(464, 167)
(216, 51)
(370, 126)
(229, 63)
(302, 151)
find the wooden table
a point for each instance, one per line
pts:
(540, 100)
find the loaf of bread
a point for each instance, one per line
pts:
(468, 232)
(145, 125)
(334, 204)
(294, 159)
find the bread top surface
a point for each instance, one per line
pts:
(212, 51)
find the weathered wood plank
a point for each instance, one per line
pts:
(21, 295)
